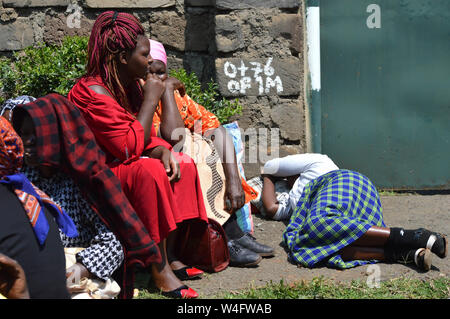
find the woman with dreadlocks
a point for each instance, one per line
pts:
(118, 96)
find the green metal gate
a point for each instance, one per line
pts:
(384, 98)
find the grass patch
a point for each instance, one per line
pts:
(321, 288)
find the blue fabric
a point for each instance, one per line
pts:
(41, 227)
(244, 216)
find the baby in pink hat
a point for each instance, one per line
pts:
(157, 51)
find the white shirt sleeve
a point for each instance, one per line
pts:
(284, 207)
(309, 166)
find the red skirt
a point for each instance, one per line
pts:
(159, 204)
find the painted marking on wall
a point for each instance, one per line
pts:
(313, 41)
(243, 77)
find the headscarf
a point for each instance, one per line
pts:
(10, 104)
(33, 199)
(157, 51)
(64, 140)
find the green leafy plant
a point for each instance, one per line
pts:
(43, 69)
(209, 97)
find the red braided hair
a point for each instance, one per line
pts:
(112, 33)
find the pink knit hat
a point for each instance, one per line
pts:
(157, 51)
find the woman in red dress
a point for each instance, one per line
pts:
(118, 98)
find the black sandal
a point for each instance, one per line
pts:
(432, 239)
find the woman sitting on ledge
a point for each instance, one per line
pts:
(162, 185)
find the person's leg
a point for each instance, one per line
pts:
(166, 281)
(232, 229)
(396, 237)
(162, 274)
(362, 253)
(394, 245)
(374, 237)
(244, 249)
(420, 257)
(146, 186)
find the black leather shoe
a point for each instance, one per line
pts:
(242, 257)
(249, 242)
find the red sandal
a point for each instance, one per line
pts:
(187, 273)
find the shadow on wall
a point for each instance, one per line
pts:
(199, 35)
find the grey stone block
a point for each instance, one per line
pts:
(288, 26)
(229, 35)
(169, 28)
(7, 15)
(249, 4)
(289, 118)
(35, 3)
(16, 36)
(125, 4)
(258, 77)
(199, 3)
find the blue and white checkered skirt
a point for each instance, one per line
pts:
(334, 210)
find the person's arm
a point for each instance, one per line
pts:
(169, 162)
(172, 126)
(154, 88)
(233, 183)
(268, 196)
(13, 284)
(115, 130)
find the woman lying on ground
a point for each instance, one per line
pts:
(162, 185)
(29, 232)
(62, 157)
(338, 220)
(244, 249)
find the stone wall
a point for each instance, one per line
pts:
(252, 48)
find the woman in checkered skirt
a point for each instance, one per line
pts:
(338, 222)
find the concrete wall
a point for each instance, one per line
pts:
(252, 48)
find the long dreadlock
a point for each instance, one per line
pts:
(112, 33)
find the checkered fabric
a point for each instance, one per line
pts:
(103, 254)
(335, 210)
(281, 192)
(64, 140)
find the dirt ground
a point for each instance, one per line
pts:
(408, 211)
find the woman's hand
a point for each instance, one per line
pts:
(173, 84)
(13, 284)
(169, 162)
(153, 88)
(234, 194)
(77, 272)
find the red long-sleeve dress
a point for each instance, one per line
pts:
(159, 204)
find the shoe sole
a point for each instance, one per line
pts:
(248, 264)
(445, 247)
(444, 254)
(427, 260)
(266, 254)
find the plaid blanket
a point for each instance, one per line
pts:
(335, 210)
(64, 140)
